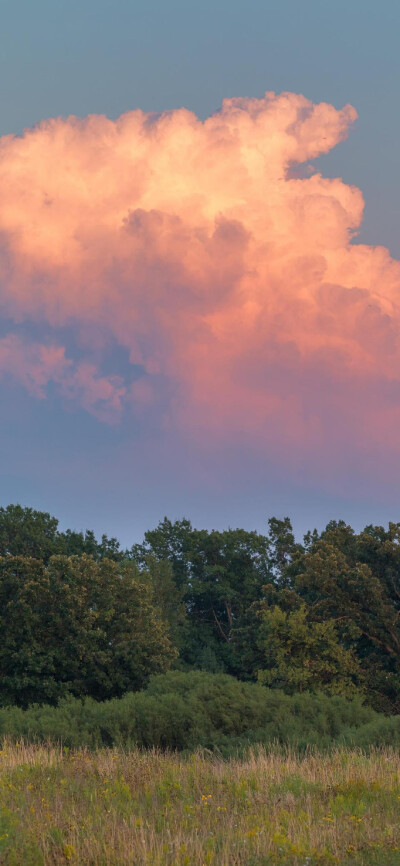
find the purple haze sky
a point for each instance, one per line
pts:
(112, 56)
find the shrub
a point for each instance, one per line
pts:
(183, 711)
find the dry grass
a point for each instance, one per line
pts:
(111, 807)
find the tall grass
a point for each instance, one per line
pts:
(146, 807)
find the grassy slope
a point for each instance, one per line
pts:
(110, 807)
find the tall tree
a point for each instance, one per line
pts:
(26, 532)
(219, 574)
(355, 580)
(77, 626)
(282, 549)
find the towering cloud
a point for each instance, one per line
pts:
(233, 281)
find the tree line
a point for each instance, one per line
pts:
(85, 617)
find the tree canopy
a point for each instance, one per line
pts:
(86, 617)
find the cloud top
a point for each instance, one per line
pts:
(230, 278)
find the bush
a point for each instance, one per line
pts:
(381, 731)
(183, 711)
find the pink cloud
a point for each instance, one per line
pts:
(222, 269)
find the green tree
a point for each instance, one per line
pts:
(77, 626)
(26, 532)
(168, 542)
(167, 597)
(304, 655)
(355, 580)
(133, 640)
(220, 574)
(26, 648)
(282, 549)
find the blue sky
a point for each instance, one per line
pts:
(63, 57)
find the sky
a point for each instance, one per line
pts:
(199, 275)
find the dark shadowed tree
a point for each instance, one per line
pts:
(26, 532)
(219, 575)
(77, 626)
(355, 580)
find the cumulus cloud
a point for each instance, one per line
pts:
(36, 366)
(234, 283)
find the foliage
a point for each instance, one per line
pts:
(167, 596)
(76, 626)
(218, 575)
(323, 615)
(186, 710)
(303, 654)
(26, 532)
(355, 580)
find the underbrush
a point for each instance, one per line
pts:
(183, 711)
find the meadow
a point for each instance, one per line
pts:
(203, 698)
(271, 806)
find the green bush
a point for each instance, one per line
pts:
(380, 731)
(183, 711)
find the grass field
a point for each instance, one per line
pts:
(111, 807)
